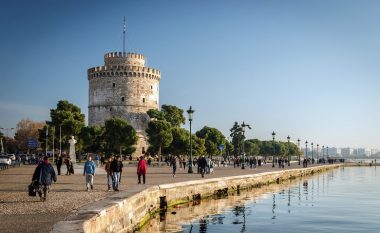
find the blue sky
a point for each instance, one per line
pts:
(308, 69)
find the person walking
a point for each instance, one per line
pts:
(59, 164)
(69, 166)
(89, 172)
(173, 162)
(107, 167)
(116, 171)
(202, 163)
(97, 160)
(141, 169)
(43, 177)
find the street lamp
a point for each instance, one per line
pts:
(190, 112)
(305, 164)
(243, 129)
(312, 153)
(317, 153)
(6, 140)
(288, 150)
(273, 136)
(323, 153)
(299, 152)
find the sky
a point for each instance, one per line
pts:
(307, 69)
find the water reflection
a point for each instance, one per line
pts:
(302, 205)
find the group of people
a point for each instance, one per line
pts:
(44, 174)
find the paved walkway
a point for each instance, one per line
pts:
(21, 213)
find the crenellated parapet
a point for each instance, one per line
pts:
(126, 71)
(122, 58)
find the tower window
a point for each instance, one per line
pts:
(113, 84)
(151, 87)
(143, 150)
(110, 109)
(143, 100)
(122, 99)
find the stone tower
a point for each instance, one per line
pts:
(124, 88)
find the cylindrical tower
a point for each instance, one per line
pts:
(125, 88)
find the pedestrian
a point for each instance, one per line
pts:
(116, 171)
(141, 169)
(97, 159)
(202, 163)
(89, 172)
(173, 163)
(69, 166)
(184, 163)
(107, 167)
(43, 177)
(59, 164)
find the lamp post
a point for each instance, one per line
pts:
(243, 129)
(317, 153)
(305, 154)
(299, 152)
(288, 150)
(323, 153)
(190, 112)
(273, 136)
(312, 153)
(6, 141)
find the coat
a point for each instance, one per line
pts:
(141, 167)
(45, 174)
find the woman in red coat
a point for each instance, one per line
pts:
(141, 169)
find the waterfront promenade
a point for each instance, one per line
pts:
(21, 213)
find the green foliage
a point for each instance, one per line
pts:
(198, 145)
(237, 138)
(67, 116)
(181, 142)
(92, 139)
(119, 134)
(169, 113)
(159, 135)
(213, 138)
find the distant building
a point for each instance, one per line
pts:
(346, 152)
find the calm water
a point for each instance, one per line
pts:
(342, 200)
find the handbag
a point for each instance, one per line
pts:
(32, 190)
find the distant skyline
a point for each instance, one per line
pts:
(308, 69)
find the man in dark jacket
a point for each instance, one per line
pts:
(43, 177)
(59, 162)
(202, 163)
(116, 170)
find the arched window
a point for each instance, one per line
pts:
(122, 98)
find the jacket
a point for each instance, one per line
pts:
(141, 167)
(116, 166)
(89, 167)
(44, 174)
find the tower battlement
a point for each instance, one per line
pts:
(120, 58)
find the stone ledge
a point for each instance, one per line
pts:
(123, 212)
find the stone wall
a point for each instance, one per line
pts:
(124, 215)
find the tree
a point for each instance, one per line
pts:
(198, 145)
(213, 138)
(27, 129)
(119, 134)
(170, 113)
(237, 138)
(181, 142)
(159, 135)
(92, 138)
(66, 120)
